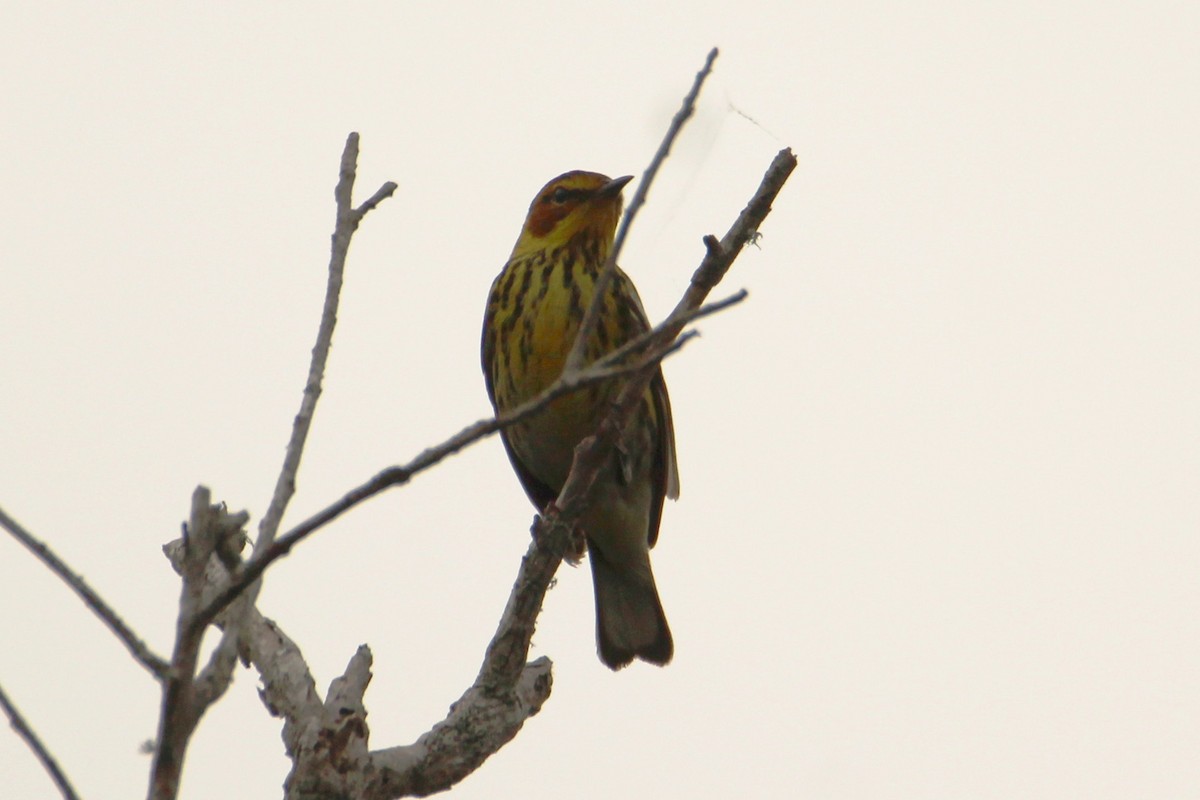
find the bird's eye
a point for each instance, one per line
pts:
(560, 195)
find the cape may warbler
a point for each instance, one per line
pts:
(534, 310)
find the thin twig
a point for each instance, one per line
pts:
(347, 220)
(656, 334)
(687, 108)
(720, 255)
(381, 194)
(23, 730)
(141, 652)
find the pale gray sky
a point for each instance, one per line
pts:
(938, 530)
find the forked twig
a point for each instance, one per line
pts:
(348, 218)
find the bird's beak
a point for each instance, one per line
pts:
(614, 187)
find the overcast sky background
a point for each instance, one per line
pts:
(938, 529)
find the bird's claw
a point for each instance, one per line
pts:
(576, 547)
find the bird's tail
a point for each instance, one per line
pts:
(629, 617)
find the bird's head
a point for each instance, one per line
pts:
(574, 203)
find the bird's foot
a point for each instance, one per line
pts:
(576, 540)
(576, 547)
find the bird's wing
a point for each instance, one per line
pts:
(538, 492)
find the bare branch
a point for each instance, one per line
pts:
(688, 107)
(23, 730)
(140, 651)
(482, 721)
(347, 220)
(381, 194)
(217, 675)
(744, 231)
(657, 334)
(330, 758)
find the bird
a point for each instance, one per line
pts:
(534, 310)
